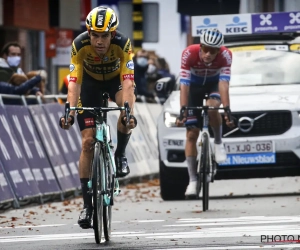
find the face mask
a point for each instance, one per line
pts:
(151, 68)
(13, 61)
(142, 61)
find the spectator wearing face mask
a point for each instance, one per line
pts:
(10, 61)
(152, 73)
(140, 68)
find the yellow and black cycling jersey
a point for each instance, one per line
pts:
(116, 62)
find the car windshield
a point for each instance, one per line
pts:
(264, 67)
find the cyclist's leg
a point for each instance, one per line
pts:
(86, 124)
(90, 97)
(123, 133)
(215, 121)
(196, 95)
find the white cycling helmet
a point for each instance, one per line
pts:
(212, 38)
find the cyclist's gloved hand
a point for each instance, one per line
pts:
(132, 122)
(180, 123)
(181, 119)
(61, 122)
(229, 119)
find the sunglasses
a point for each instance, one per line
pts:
(211, 50)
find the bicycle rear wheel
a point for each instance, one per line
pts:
(205, 171)
(98, 164)
(107, 208)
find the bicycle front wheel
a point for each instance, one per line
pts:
(98, 164)
(109, 187)
(205, 171)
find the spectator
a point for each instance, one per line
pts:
(140, 67)
(10, 61)
(41, 86)
(23, 88)
(43, 82)
(64, 88)
(164, 71)
(152, 73)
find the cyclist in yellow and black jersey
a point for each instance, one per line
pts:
(101, 61)
(117, 61)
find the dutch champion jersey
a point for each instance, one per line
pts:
(195, 71)
(117, 60)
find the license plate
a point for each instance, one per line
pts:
(175, 142)
(249, 147)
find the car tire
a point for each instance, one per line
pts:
(173, 182)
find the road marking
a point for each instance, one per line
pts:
(243, 218)
(233, 223)
(291, 246)
(143, 221)
(7, 239)
(28, 226)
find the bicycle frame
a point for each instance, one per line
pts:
(205, 119)
(206, 166)
(102, 135)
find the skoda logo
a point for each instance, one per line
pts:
(245, 124)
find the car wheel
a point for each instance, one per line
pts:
(173, 182)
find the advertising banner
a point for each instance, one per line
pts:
(57, 161)
(14, 162)
(64, 140)
(32, 147)
(240, 24)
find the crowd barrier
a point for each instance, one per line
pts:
(40, 160)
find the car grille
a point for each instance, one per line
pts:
(273, 123)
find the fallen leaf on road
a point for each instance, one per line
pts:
(168, 212)
(154, 182)
(31, 212)
(198, 227)
(66, 203)
(132, 186)
(14, 218)
(1, 216)
(197, 212)
(30, 228)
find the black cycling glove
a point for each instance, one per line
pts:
(72, 120)
(130, 117)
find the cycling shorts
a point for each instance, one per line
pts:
(196, 96)
(91, 96)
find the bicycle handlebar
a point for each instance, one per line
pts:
(126, 108)
(184, 108)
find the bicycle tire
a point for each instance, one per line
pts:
(199, 174)
(205, 172)
(107, 209)
(97, 192)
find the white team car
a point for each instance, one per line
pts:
(265, 100)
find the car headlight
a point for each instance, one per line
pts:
(170, 119)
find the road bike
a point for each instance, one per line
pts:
(103, 184)
(206, 164)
